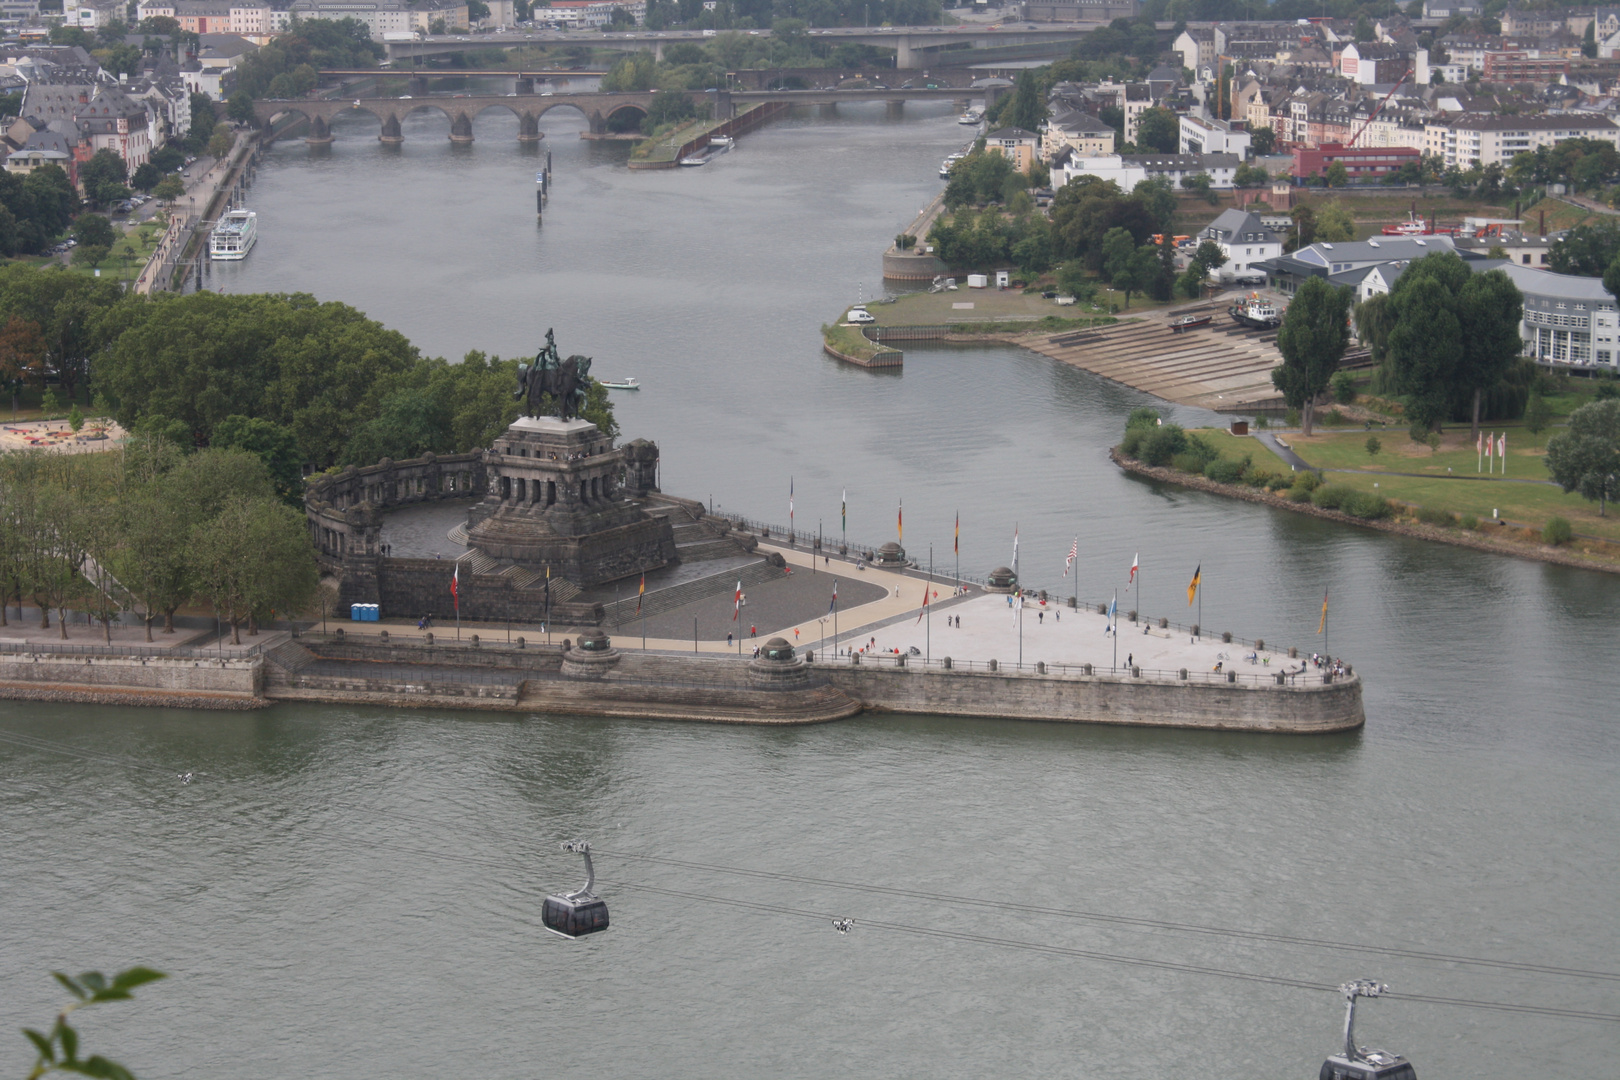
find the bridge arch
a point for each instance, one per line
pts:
(626, 116)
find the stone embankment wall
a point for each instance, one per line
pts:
(1104, 699)
(144, 680)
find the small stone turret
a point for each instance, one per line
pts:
(640, 466)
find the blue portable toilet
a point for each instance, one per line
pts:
(357, 612)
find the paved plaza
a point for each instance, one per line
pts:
(57, 435)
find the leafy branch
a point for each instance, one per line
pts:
(59, 1051)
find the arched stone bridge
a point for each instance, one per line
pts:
(597, 109)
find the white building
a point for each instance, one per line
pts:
(1128, 170)
(1494, 140)
(1567, 319)
(1202, 136)
(1243, 239)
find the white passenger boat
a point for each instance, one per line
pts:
(234, 236)
(971, 116)
(621, 384)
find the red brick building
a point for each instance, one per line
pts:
(1361, 163)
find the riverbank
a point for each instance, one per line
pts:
(1500, 537)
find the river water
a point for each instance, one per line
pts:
(352, 891)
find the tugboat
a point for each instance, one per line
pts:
(1189, 322)
(1358, 1062)
(1255, 313)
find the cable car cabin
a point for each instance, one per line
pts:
(1377, 1065)
(574, 916)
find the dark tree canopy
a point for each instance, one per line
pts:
(1158, 131)
(1312, 341)
(1586, 456)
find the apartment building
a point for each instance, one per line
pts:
(1494, 140)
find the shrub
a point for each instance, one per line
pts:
(1344, 388)
(1332, 496)
(1557, 531)
(1469, 521)
(1201, 447)
(1162, 444)
(1333, 418)
(1441, 518)
(1418, 432)
(1365, 505)
(1225, 471)
(1131, 445)
(1307, 481)
(1280, 481)
(1604, 391)
(1256, 477)
(1298, 494)
(1292, 419)
(1188, 462)
(1143, 417)
(1373, 446)
(1260, 422)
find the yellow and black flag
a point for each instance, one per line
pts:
(1192, 586)
(1323, 624)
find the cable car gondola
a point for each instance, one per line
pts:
(575, 914)
(1358, 1062)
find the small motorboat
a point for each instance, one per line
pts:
(725, 141)
(621, 384)
(1256, 313)
(1189, 322)
(695, 160)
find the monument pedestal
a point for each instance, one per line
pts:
(557, 498)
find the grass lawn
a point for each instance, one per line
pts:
(849, 340)
(1464, 492)
(137, 244)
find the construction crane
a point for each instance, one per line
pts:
(1380, 108)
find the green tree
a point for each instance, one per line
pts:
(1536, 413)
(1334, 225)
(94, 229)
(1250, 176)
(145, 178)
(1312, 340)
(1336, 176)
(220, 143)
(1086, 208)
(1208, 257)
(240, 107)
(103, 177)
(1158, 198)
(1587, 250)
(1263, 140)
(1589, 47)
(270, 443)
(72, 312)
(1304, 226)
(1586, 456)
(1490, 308)
(169, 188)
(58, 1049)
(1158, 131)
(1138, 273)
(1373, 446)
(252, 557)
(1426, 347)
(1201, 184)
(1364, 29)
(1027, 107)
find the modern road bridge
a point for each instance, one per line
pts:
(914, 46)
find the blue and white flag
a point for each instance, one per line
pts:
(1113, 609)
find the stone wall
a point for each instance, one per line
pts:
(344, 509)
(411, 588)
(1103, 699)
(172, 675)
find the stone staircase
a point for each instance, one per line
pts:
(695, 541)
(665, 600)
(1224, 366)
(290, 657)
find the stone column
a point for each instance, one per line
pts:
(390, 134)
(319, 133)
(529, 128)
(461, 132)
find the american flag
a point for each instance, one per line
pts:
(1074, 551)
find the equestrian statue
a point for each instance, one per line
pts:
(563, 381)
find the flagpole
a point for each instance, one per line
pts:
(928, 627)
(1200, 600)
(1113, 615)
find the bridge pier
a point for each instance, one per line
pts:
(390, 134)
(461, 132)
(525, 86)
(894, 110)
(319, 134)
(529, 128)
(827, 109)
(417, 85)
(904, 57)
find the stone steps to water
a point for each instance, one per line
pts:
(705, 550)
(1219, 367)
(665, 600)
(458, 535)
(477, 562)
(520, 577)
(290, 657)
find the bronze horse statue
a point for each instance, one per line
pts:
(564, 381)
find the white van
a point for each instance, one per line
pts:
(859, 315)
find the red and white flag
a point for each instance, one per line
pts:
(1501, 446)
(1488, 443)
(924, 610)
(1074, 551)
(736, 608)
(455, 583)
(1136, 561)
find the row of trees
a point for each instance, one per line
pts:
(150, 529)
(990, 237)
(293, 380)
(289, 66)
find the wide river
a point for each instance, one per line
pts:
(355, 892)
